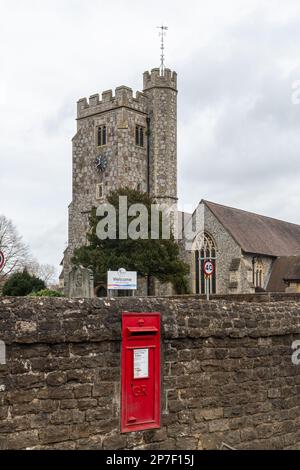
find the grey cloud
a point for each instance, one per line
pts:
(253, 148)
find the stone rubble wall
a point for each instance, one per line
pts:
(227, 374)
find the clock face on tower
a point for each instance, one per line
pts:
(101, 163)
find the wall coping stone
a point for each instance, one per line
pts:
(54, 320)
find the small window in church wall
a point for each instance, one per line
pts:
(104, 135)
(258, 274)
(139, 136)
(99, 191)
(101, 136)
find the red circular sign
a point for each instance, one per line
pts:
(208, 268)
(2, 259)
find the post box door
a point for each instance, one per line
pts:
(140, 371)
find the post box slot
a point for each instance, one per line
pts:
(142, 331)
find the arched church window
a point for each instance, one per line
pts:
(260, 278)
(139, 136)
(205, 249)
(259, 273)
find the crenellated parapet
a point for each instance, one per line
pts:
(155, 79)
(123, 97)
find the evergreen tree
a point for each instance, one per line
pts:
(149, 257)
(21, 284)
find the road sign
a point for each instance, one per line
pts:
(208, 268)
(2, 259)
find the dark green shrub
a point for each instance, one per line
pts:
(21, 284)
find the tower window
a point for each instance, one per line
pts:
(139, 136)
(101, 136)
(99, 191)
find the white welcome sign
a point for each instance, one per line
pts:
(121, 280)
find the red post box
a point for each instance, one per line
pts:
(140, 371)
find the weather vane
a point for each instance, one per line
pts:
(162, 34)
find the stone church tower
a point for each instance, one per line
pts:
(123, 140)
(161, 92)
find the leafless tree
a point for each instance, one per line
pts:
(16, 253)
(46, 272)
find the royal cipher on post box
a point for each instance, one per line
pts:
(140, 371)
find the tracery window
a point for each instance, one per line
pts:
(101, 136)
(258, 273)
(205, 249)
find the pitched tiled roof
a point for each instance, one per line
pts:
(284, 268)
(256, 233)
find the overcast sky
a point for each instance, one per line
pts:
(238, 130)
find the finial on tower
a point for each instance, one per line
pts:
(162, 34)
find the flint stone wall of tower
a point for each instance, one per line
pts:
(127, 163)
(161, 91)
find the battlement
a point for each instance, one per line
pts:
(155, 79)
(123, 97)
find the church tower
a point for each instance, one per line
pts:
(123, 140)
(161, 91)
